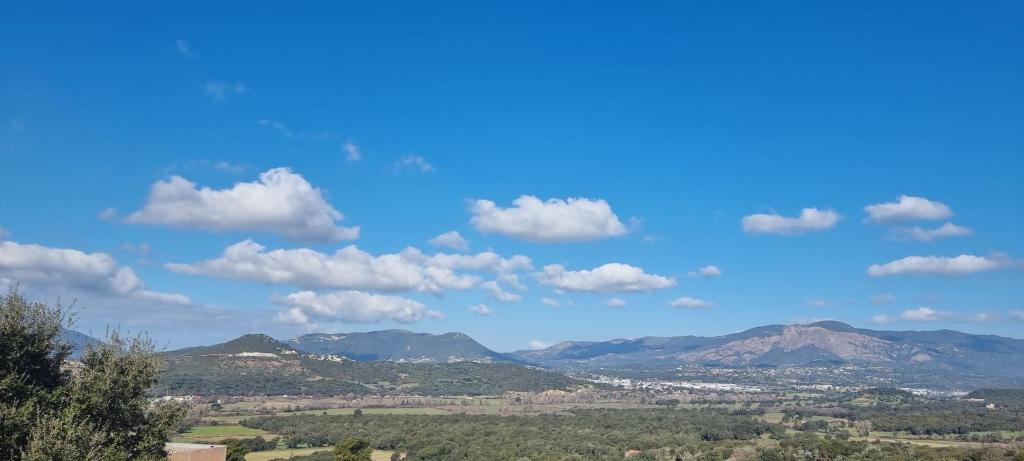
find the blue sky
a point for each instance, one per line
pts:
(671, 122)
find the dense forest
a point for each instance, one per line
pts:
(588, 434)
(645, 435)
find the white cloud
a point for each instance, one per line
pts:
(705, 272)
(450, 239)
(1017, 315)
(3, 234)
(818, 303)
(906, 209)
(927, 314)
(810, 220)
(351, 306)
(883, 298)
(281, 202)
(351, 268)
(480, 309)
(352, 153)
(63, 268)
(512, 280)
(218, 91)
(538, 345)
(690, 303)
(550, 302)
(185, 49)
(609, 278)
(937, 265)
(926, 235)
(413, 163)
(920, 314)
(616, 302)
(554, 220)
(498, 294)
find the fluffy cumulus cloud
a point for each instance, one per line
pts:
(609, 278)
(280, 202)
(1017, 315)
(498, 294)
(937, 265)
(480, 309)
(69, 269)
(553, 220)
(351, 268)
(307, 307)
(927, 235)
(907, 208)
(550, 302)
(706, 272)
(450, 239)
(689, 303)
(616, 302)
(810, 220)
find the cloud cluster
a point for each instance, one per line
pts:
(280, 202)
(63, 268)
(936, 265)
(810, 220)
(609, 278)
(351, 268)
(553, 220)
(306, 307)
(908, 208)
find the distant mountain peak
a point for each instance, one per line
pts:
(400, 346)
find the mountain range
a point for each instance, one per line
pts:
(826, 342)
(396, 361)
(257, 364)
(400, 346)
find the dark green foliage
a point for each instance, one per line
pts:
(1006, 398)
(99, 412)
(588, 434)
(353, 449)
(238, 448)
